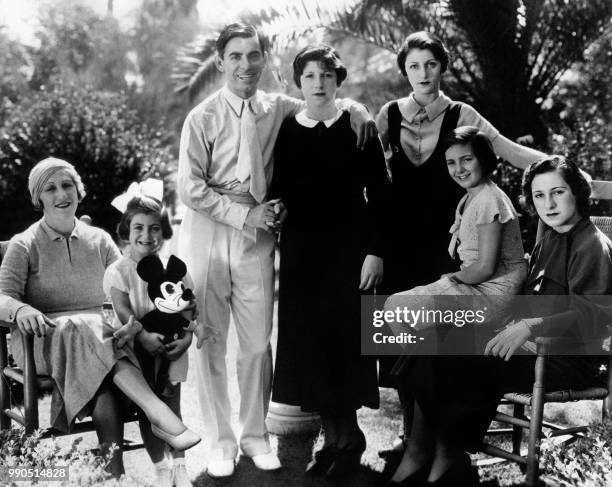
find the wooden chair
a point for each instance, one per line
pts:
(538, 397)
(33, 386)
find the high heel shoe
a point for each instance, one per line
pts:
(418, 478)
(396, 450)
(180, 442)
(347, 459)
(460, 472)
(322, 461)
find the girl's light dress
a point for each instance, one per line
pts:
(489, 205)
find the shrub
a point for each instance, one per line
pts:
(586, 462)
(588, 143)
(93, 130)
(85, 468)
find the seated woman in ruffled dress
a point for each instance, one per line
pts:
(485, 234)
(51, 287)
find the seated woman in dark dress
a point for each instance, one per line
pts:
(330, 248)
(456, 397)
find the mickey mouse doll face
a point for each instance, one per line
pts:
(174, 298)
(165, 286)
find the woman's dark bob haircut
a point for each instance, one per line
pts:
(148, 206)
(574, 177)
(423, 40)
(480, 144)
(323, 54)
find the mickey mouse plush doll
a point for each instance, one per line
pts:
(166, 290)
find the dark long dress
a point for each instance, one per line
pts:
(424, 199)
(320, 175)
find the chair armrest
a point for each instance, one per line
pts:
(544, 344)
(6, 324)
(548, 345)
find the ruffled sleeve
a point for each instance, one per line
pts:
(494, 205)
(113, 278)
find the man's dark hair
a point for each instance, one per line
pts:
(238, 29)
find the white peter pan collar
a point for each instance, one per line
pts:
(308, 122)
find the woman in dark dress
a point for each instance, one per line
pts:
(457, 396)
(330, 248)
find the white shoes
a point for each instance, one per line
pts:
(179, 442)
(220, 468)
(267, 461)
(164, 477)
(180, 477)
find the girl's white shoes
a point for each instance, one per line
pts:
(164, 477)
(175, 477)
(180, 442)
(180, 477)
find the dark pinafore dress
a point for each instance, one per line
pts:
(424, 202)
(424, 199)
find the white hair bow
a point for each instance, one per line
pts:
(153, 188)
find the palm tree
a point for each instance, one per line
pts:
(508, 55)
(160, 28)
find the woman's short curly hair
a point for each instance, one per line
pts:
(576, 179)
(480, 144)
(323, 54)
(423, 40)
(148, 206)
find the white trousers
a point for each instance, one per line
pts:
(232, 273)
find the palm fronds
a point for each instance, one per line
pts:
(499, 48)
(383, 24)
(194, 68)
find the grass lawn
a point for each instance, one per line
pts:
(380, 427)
(294, 451)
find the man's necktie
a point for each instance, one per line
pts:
(250, 160)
